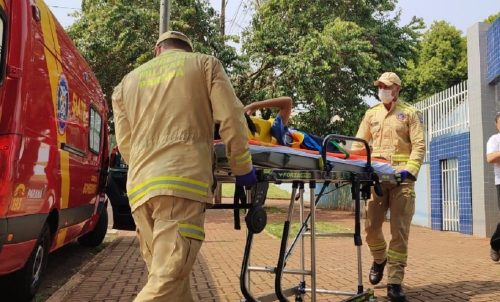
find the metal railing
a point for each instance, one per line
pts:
(446, 112)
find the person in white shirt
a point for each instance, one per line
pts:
(493, 157)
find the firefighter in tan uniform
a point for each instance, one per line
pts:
(394, 131)
(164, 114)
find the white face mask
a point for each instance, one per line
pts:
(385, 95)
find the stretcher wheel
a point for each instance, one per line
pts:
(256, 219)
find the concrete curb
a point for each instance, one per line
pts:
(61, 294)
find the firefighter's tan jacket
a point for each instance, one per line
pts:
(164, 113)
(395, 135)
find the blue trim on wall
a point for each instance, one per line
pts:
(450, 147)
(493, 52)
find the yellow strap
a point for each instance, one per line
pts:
(321, 163)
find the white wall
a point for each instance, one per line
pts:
(423, 197)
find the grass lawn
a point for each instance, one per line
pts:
(275, 229)
(275, 210)
(274, 192)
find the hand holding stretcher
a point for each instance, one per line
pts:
(280, 164)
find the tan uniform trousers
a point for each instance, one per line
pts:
(168, 252)
(400, 200)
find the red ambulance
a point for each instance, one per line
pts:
(53, 145)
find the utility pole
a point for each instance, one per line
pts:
(164, 16)
(223, 17)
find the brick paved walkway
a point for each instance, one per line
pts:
(442, 266)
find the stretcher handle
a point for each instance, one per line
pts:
(331, 137)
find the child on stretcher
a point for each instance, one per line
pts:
(276, 130)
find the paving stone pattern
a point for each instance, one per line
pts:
(443, 266)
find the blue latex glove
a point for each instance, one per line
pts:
(404, 175)
(248, 179)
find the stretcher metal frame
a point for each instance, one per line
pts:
(253, 199)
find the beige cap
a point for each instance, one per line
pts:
(174, 35)
(388, 78)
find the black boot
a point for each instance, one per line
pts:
(377, 272)
(395, 293)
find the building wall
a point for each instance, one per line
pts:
(451, 147)
(483, 103)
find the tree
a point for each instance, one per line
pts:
(116, 36)
(441, 63)
(492, 18)
(325, 55)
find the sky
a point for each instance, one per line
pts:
(61, 9)
(460, 13)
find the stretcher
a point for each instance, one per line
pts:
(285, 165)
(275, 156)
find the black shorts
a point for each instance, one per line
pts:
(498, 196)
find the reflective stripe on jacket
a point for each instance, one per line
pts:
(396, 135)
(164, 113)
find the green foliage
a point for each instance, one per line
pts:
(274, 191)
(275, 210)
(325, 55)
(441, 63)
(275, 229)
(116, 36)
(492, 18)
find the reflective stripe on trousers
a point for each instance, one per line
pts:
(170, 232)
(401, 202)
